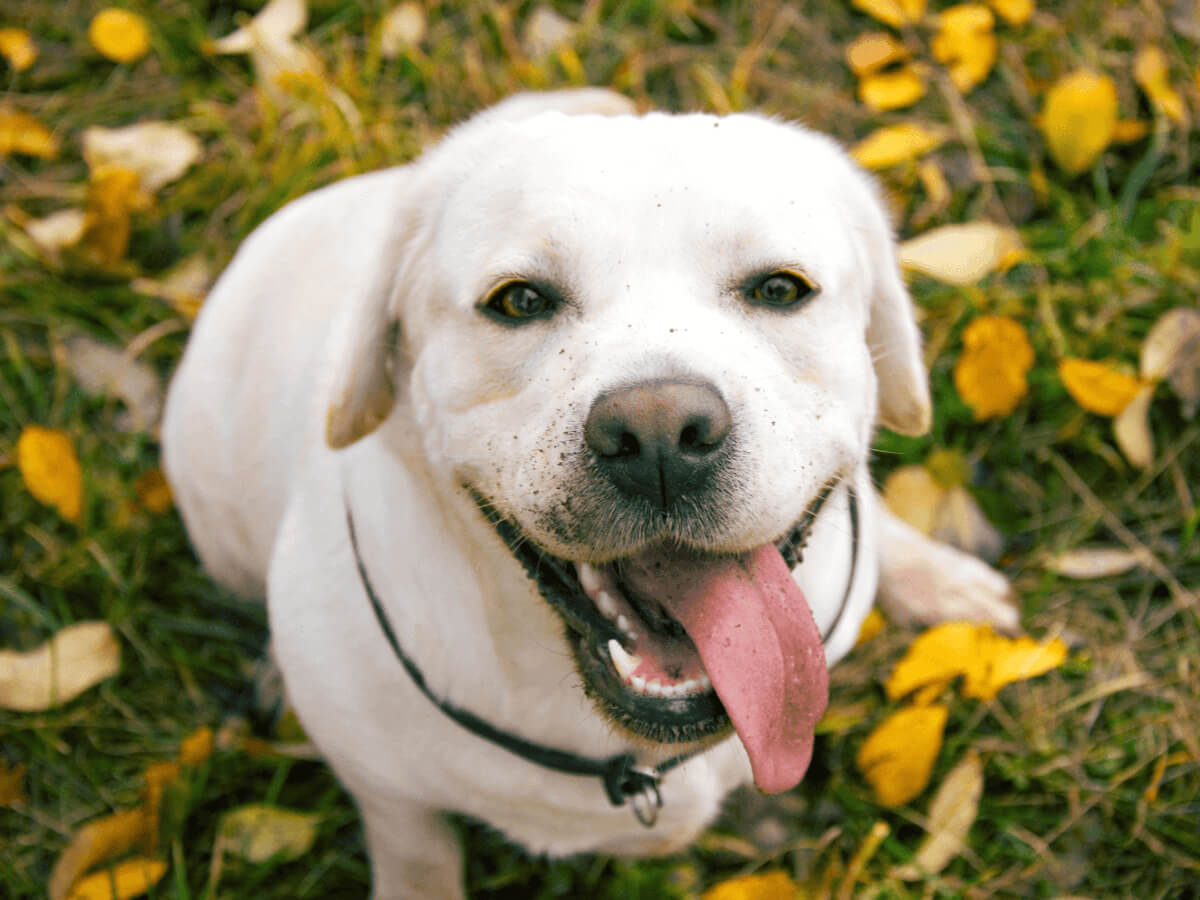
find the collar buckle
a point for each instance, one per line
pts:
(625, 780)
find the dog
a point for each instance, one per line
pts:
(549, 454)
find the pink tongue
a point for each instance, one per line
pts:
(759, 644)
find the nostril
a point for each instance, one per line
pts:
(689, 438)
(628, 445)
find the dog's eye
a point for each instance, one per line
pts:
(782, 290)
(518, 300)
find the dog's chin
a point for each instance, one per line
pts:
(638, 664)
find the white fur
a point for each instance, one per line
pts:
(350, 320)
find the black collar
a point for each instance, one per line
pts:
(622, 777)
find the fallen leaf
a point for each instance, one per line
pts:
(259, 832)
(120, 35)
(937, 655)
(56, 232)
(1093, 562)
(96, 842)
(1079, 118)
(894, 144)
(101, 368)
(990, 373)
(872, 51)
(775, 885)
(153, 492)
(197, 747)
(157, 151)
(545, 32)
(896, 13)
(999, 661)
(267, 39)
(403, 27)
(948, 514)
(937, 193)
(1097, 386)
(960, 254)
(966, 44)
(1171, 351)
(78, 657)
(18, 48)
(1152, 74)
(128, 879)
(1014, 12)
(1130, 131)
(1131, 428)
(912, 494)
(184, 288)
(952, 812)
(883, 91)
(12, 784)
(50, 469)
(113, 196)
(23, 134)
(870, 628)
(897, 757)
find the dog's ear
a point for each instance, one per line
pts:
(894, 339)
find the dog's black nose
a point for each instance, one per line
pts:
(659, 439)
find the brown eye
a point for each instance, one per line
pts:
(519, 300)
(782, 290)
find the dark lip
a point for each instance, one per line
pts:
(665, 720)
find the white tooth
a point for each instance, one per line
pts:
(623, 661)
(705, 684)
(606, 604)
(639, 683)
(688, 687)
(654, 689)
(589, 577)
(670, 690)
(623, 624)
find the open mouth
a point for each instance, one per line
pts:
(677, 646)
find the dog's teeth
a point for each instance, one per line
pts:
(639, 683)
(589, 577)
(607, 606)
(623, 624)
(623, 661)
(670, 691)
(654, 689)
(686, 688)
(705, 684)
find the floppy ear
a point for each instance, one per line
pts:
(894, 339)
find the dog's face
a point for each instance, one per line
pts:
(644, 346)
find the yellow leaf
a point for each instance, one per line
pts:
(1014, 12)
(130, 878)
(51, 470)
(870, 628)
(196, 747)
(872, 51)
(120, 35)
(892, 90)
(12, 784)
(22, 133)
(896, 13)
(952, 811)
(898, 756)
(775, 885)
(153, 492)
(1000, 661)
(258, 832)
(1079, 118)
(78, 657)
(1130, 131)
(959, 254)
(990, 374)
(895, 144)
(113, 196)
(1097, 386)
(937, 655)
(966, 44)
(96, 842)
(18, 48)
(1150, 71)
(937, 192)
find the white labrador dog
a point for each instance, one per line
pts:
(549, 452)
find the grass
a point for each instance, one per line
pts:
(1092, 771)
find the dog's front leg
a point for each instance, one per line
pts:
(927, 581)
(414, 852)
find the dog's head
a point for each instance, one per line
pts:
(643, 346)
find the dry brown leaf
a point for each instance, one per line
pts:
(872, 51)
(56, 232)
(120, 35)
(153, 492)
(1151, 73)
(278, 21)
(894, 144)
(1171, 351)
(897, 89)
(1097, 386)
(990, 374)
(952, 811)
(1093, 562)
(402, 28)
(184, 288)
(18, 48)
(966, 44)
(96, 842)
(898, 756)
(896, 13)
(50, 469)
(78, 657)
(949, 514)
(128, 879)
(777, 885)
(22, 134)
(1131, 428)
(1078, 119)
(101, 368)
(157, 151)
(960, 254)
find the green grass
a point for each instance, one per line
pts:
(1068, 756)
